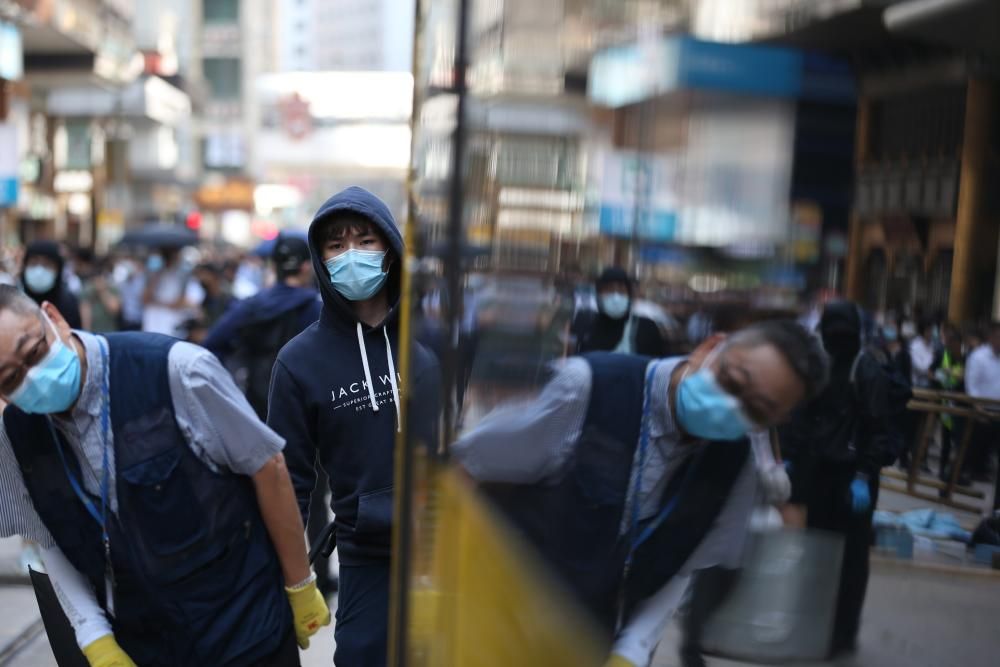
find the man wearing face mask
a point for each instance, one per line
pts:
(163, 508)
(615, 327)
(837, 444)
(629, 473)
(42, 279)
(335, 397)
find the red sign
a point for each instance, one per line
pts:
(295, 116)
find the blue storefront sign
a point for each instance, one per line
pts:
(658, 226)
(8, 165)
(11, 54)
(628, 74)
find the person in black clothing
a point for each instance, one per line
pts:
(42, 280)
(897, 349)
(615, 327)
(294, 292)
(897, 346)
(336, 395)
(836, 446)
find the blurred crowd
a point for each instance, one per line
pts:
(178, 291)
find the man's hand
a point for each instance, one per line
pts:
(794, 516)
(308, 609)
(105, 652)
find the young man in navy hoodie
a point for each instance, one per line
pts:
(335, 393)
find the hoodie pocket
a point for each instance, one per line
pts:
(374, 512)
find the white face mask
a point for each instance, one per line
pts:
(615, 305)
(39, 279)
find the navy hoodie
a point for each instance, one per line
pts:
(321, 402)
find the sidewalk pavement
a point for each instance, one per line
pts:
(914, 617)
(938, 610)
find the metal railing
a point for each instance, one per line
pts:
(934, 404)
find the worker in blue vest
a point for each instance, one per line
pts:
(166, 517)
(623, 470)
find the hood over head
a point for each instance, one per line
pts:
(614, 274)
(358, 201)
(840, 328)
(49, 250)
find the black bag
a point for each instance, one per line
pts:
(255, 350)
(988, 531)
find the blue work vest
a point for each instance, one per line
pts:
(197, 580)
(575, 523)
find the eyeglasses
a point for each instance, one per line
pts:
(32, 349)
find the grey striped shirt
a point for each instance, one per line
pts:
(214, 417)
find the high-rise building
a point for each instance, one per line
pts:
(319, 35)
(57, 120)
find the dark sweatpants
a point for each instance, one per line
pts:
(361, 631)
(829, 505)
(286, 655)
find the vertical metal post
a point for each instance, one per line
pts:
(455, 229)
(402, 530)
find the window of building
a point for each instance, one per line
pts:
(224, 77)
(221, 11)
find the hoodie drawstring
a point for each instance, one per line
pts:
(392, 374)
(368, 372)
(392, 380)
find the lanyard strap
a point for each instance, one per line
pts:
(100, 517)
(636, 539)
(636, 483)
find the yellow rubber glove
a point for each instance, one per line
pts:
(309, 611)
(105, 652)
(617, 661)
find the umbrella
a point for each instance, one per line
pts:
(266, 248)
(160, 235)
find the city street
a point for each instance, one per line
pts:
(915, 617)
(554, 306)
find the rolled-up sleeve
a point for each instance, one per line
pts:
(527, 442)
(214, 416)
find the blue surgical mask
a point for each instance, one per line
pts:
(357, 274)
(53, 384)
(154, 263)
(39, 279)
(615, 305)
(706, 410)
(890, 333)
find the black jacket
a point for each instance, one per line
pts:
(848, 424)
(596, 332)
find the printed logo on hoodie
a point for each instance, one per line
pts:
(355, 395)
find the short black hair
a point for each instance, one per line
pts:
(16, 301)
(802, 350)
(338, 225)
